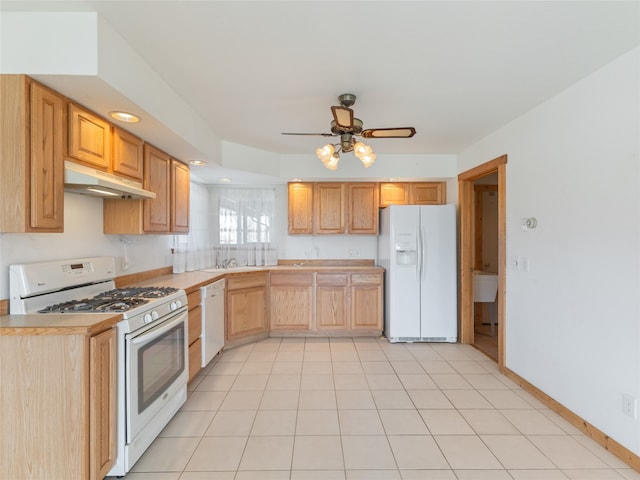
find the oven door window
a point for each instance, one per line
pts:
(160, 363)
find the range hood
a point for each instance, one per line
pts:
(89, 181)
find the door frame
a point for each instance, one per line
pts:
(467, 244)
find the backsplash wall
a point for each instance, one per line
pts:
(83, 237)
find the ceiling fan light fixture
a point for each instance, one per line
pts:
(332, 163)
(346, 126)
(367, 160)
(324, 153)
(360, 149)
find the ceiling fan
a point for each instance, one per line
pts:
(346, 126)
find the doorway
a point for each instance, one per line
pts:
(473, 315)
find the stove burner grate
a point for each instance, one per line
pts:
(96, 304)
(139, 292)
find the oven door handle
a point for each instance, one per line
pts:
(159, 330)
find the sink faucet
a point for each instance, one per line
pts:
(229, 263)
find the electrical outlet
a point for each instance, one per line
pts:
(523, 264)
(630, 406)
(353, 252)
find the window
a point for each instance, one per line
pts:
(245, 225)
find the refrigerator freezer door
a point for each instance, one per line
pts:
(402, 282)
(438, 288)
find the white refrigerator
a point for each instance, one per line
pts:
(417, 248)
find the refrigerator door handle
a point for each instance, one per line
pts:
(424, 247)
(420, 254)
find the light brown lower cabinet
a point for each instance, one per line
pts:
(58, 406)
(291, 301)
(332, 301)
(326, 302)
(194, 333)
(366, 301)
(246, 308)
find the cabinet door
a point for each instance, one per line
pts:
(427, 193)
(127, 154)
(157, 173)
(394, 194)
(102, 403)
(179, 197)
(331, 307)
(195, 324)
(89, 138)
(363, 208)
(47, 159)
(246, 313)
(195, 358)
(329, 207)
(291, 301)
(300, 208)
(366, 307)
(332, 301)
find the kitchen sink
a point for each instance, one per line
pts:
(221, 271)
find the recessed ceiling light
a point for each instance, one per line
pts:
(124, 117)
(224, 180)
(197, 162)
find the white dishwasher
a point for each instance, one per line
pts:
(212, 304)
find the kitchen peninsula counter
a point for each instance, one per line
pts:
(57, 323)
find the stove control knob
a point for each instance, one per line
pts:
(154, 315)
(147, 318)
(178, 303)
(173, 306)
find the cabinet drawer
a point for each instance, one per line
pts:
(292, 278)
(195, 358)
(247, 281)
(331, 279)
(369, 278)
(195, 323)
(193, 299)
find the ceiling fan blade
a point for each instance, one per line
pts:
(404, 132)
(314, 134)
(343, 116)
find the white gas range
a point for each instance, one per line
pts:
(152, 339)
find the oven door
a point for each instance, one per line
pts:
(155, 369)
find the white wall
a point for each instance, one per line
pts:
(83, 237)
(573, 320)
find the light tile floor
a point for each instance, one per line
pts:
(364, 409)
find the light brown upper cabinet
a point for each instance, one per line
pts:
(333, 208)
(412, 193)
(167, 213)
(95, 142)
(301, 208)
(329, 208)
(128, 154)
(394, 194)
(32, 133)
(427, 193)
(157, 176)
(89, 139)
(362, 208)
(180, 177)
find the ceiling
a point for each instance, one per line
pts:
(454, 70)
